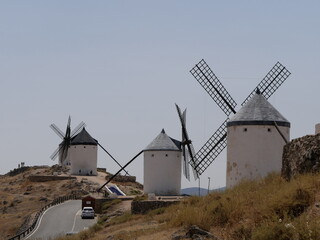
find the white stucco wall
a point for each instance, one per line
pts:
(84, 158)
(162, 172)
(253, 151)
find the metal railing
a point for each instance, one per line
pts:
(56, 201)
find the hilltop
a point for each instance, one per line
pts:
(23, 192)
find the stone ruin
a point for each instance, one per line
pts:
(301, 155)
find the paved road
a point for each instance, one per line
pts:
(59, 220)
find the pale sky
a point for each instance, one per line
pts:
(120, 66)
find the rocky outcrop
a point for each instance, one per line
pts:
(194, 232)
(301, 155)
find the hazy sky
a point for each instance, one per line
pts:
(120, 66)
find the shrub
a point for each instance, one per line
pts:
(140, 198)
(242, 233)
(272, 231)
(121, 219)
(109, 204)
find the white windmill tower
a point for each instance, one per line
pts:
(76, 138)
(254, 145)
(162, 162)
(63, 148)
(83, 154)
(162, 166)
(218, 141)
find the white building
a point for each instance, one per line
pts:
(162, 166)
(83, 154)
(254, 145)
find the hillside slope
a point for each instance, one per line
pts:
(269, 209)
(20, 197)
(22, 193)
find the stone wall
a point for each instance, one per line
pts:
(141, 207)
(39, 178)
(301, 155)
(120, 178)
(99, 203)
(17, 171)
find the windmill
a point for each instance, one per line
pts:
(66, 137)
(209, 81)
(187, 147)
(162, 166)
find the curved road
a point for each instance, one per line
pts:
(60, 219)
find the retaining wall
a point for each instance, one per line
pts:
(141, 207)
(122, 178)
(37, 178)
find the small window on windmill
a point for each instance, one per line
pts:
(84, 146)
(245, 129)
(152, 155)
(269, 129)
(166, 155)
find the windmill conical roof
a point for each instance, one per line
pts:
(258, 111)
(163, 143)
(83, 138)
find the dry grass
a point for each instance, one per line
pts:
(255, 210)
(261, 210)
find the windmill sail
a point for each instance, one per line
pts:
(77, 129)
(57, 130)
(212, 148)
(62, 150)
(271, 82)
(187, 144)
(209, 81)
(186, 157)
(186, 170)
(55, 154)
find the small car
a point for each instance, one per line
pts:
(87, 212)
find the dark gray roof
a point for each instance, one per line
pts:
(163, 143)
(83, 138)
(258, 111)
